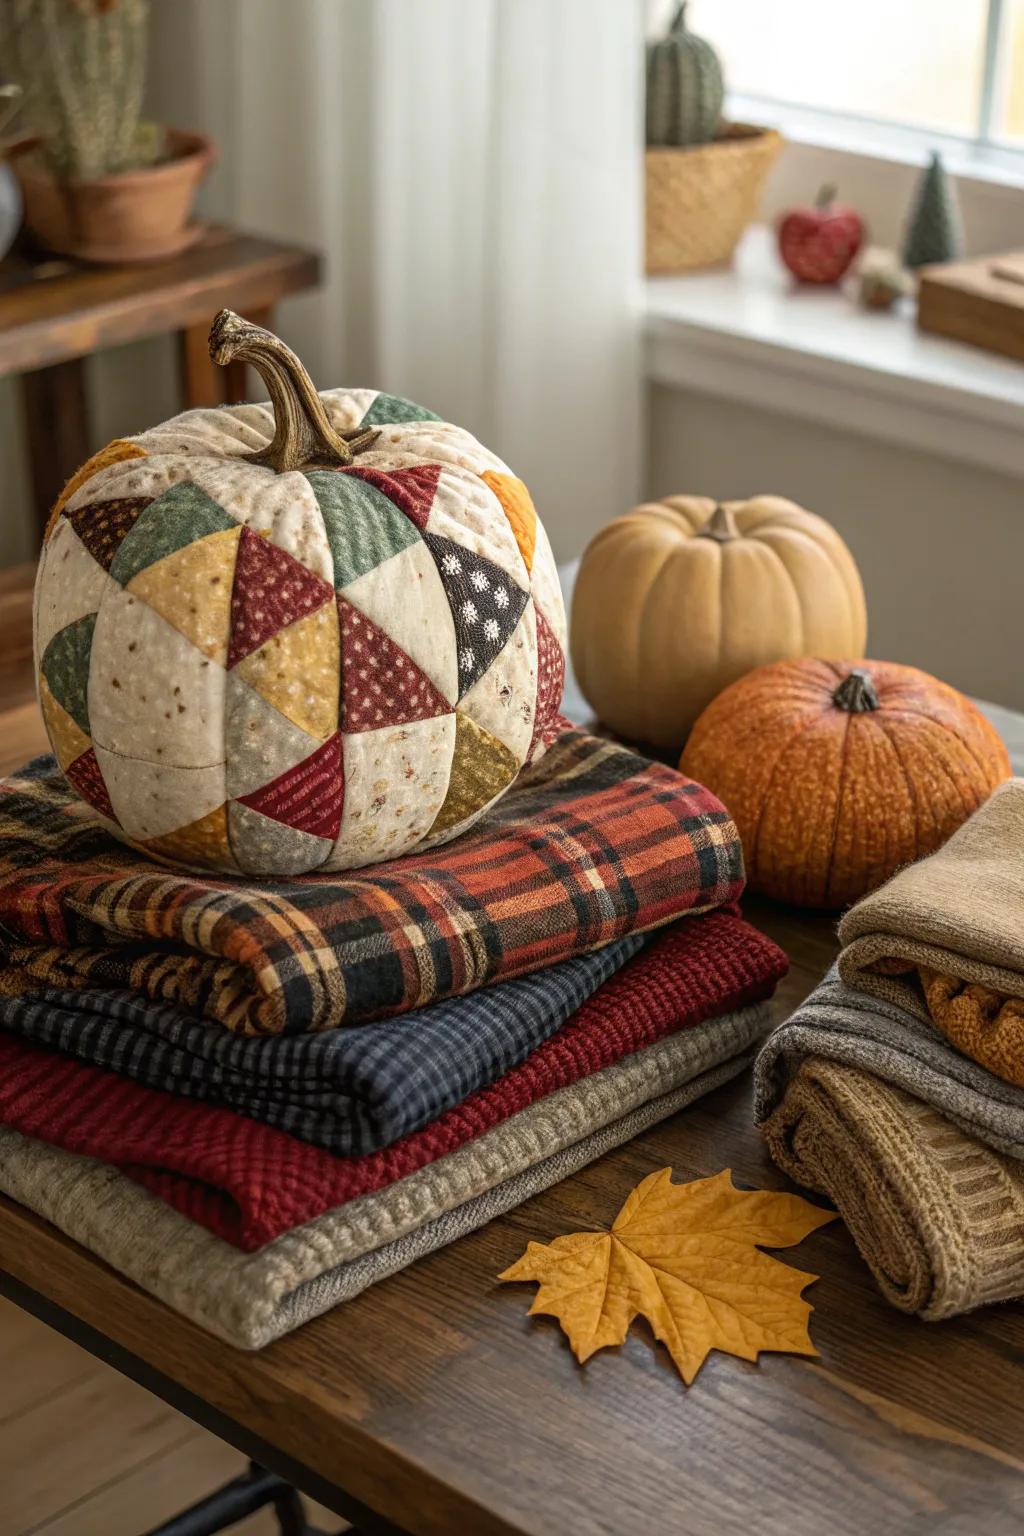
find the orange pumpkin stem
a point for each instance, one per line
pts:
(303, 436)
(856, 693)
(720, 526)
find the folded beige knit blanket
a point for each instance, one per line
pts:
(249, 1299)
(938, 1217)
(945, 937)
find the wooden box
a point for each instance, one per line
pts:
(980, 301)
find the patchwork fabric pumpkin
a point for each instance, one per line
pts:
(838, 772)
(308, 635)
(678, 598)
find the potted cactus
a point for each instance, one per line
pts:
(704, 175)
(97, 181)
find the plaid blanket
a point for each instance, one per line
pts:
(592, 844)
(249, 1183)
(349, 1090)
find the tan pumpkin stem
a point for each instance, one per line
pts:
(303, 436)
(720, 526)
(856, 693)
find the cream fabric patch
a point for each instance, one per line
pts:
(152, 695)
(404, 597)
(151, 800)
(281, 507)
(504, 699)
(260, 743)
(396, 780)
(70, 585)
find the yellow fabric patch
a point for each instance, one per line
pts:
(519, 509)
(202, 842)
(66, 738)
(298, 671)
(113, 453)
(683, 1256)
(482, 766)
(191, 589)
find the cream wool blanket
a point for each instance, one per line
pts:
(944, 938)
(938, 1216)
(251, 1299)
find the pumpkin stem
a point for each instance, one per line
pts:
(826, 196)
(303, 436)
(856, 693)
(720, 526)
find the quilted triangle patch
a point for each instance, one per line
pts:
(65, 666)
(380, 684)
(266, 847)
(102, 525)
(85, 776)
(363, 527)
(67, 740)
(482, 766)
(181, 515)
(192, 590)
(550, 680)
(271, 590)
(387, 410)
(307, 796)
(204, 842)
(517, 505)
(296, 670)
(410, 489)
(486, 605)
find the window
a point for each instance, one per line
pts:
(947, 66)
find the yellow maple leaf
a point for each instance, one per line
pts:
(685, 1257)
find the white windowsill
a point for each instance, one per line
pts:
(748, 333)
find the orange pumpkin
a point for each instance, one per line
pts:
(838, 772)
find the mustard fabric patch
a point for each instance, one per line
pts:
(482, 766)
(297, 669)
(191, 589)
(518, 507)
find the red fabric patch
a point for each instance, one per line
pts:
(412, 490)
(271, 590)
(550, 683)
(380, 684)
(85, 774)
(307, 796)
(249, 1183)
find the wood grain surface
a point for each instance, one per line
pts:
(435, 1400)
(55, 310)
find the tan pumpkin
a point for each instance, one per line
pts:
(680, 597)
(837, 773)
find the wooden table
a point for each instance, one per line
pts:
(434, 1401)
(56, 313)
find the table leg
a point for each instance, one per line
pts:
(56, 429)
(202, 382)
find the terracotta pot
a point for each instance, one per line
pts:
(138, 215)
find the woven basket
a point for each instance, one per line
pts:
(700, 200)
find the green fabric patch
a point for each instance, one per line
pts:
(65, 666)
(386, 410)
(179, 517)
(363, 526)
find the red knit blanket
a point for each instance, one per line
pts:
(249, 1183)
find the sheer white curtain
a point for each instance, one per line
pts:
(471, 170)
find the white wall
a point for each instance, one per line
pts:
(940, 545)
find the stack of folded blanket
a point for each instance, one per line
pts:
(897, 1088)
(257, 1099)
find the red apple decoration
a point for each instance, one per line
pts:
(818, 244)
